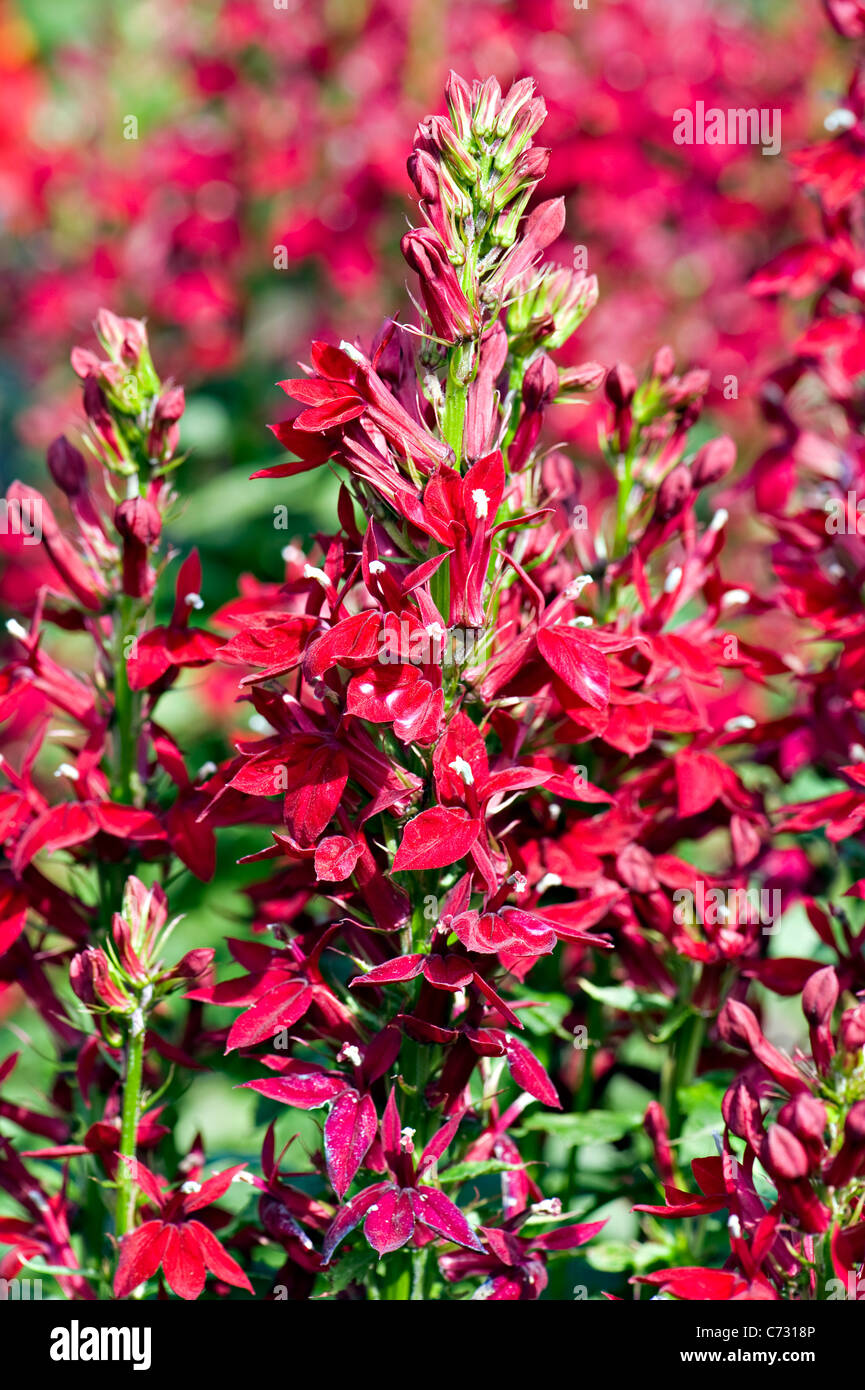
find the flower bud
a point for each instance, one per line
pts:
(451, 315)
(459, 99)
(738, 1026)
(519, 136)
(122, 339)
(423, 172)
(164, 433)
(820, 996)
(96, 407)
(139, 523)
(90, 978)
(517, 101)
(673, 492)
(541, 382)
(852, 1029)
(586, 377)
(664, 364)
(742, 1114)
(66, 465)
(454, 152)
(194, 963)
(713, 461)
(528, 169)
(849, 1162)
(783, 1156)
(487, 105)
(620, 386)
(138, 520)
(806, 1116)
(655, 1125)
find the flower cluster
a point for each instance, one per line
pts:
(516, 800)
(808, 1238)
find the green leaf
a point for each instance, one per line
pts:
(672, 1024)
(352, 1268)
(589, 1127)
(626, 999)
(617, 1256)
(546, 1015)
(464, 1172)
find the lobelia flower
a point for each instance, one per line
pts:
(391, 1211)
(175, 1240)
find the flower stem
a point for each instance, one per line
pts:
(124, 710)
(397, 1286)
(418, 1277)
(130, 1115)
(679, 1068)
(456, 395)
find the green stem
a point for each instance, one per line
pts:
(620, 540)
(124, 709)
(130, 1115)
(418, 1275)
(397, 1287)
(456, 395)
(679, 1067)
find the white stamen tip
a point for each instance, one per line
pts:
(551, 1206)
(839, 119)
(15, 629)
(377, 567)
(548, 881)
(719, 520)
(673, 580)
(311, 572)
(734, 596)
(481, 501)
(351, 351)
(67, 770)
(463, 770)
(194, 601)
(189, 1187)
(260, 725)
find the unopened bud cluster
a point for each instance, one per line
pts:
(126, 977)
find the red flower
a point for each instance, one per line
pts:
(391, 1210)
(175, 1241)
(163, 649)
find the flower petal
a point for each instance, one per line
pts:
(141, 1253)
(348, 1132)
(390, 1220)
(439, 1213)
